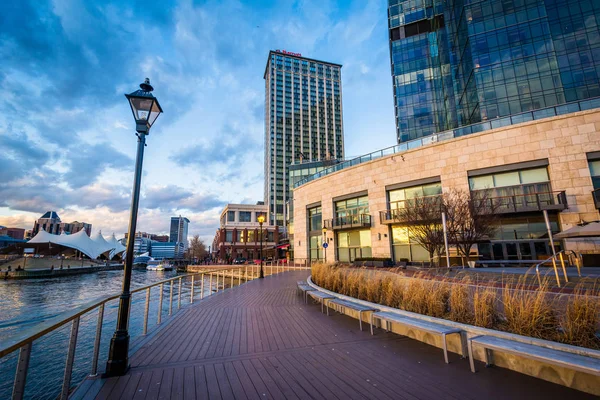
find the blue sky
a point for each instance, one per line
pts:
(67, 135)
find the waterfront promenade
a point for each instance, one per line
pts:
(260, 340)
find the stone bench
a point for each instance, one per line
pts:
(339, 304)
(545, 355)
(320, 297)
(430, 327)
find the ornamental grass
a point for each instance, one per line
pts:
(514, 308)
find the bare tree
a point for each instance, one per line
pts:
(197, 249)
(471, 218)
(423, 216)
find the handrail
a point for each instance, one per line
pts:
(49, 326)
(24, 342)
(553, 259)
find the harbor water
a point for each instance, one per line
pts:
(26, 303)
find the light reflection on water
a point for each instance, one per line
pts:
(25, 303)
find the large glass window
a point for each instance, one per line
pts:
(316, 251)
(229, 236)
(245, 216)
(405, 248)
(398, 198)
(352, 209)
(353, 244)
(314, 219)
(504, 179)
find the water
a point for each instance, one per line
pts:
(25, 303)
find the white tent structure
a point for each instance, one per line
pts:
(118, 248)
(80, 241)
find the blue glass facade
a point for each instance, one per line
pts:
(461, 62)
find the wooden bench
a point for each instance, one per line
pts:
(431, 327)
(545, 355)
(304, 288)
(320, 297)
(342, 304)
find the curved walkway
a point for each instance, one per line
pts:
(259, 341)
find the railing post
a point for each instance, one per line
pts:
(70, 357)
(179, 294)
(556, 271)
(231, 278)
(21, 374)
(160, 301)
(239, 276)
(202, 287)
(146, 311)
(562, 262)
(97, 340)
(192, 291)
(171, 299)
(577, 264)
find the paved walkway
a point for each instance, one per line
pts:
(259, 341)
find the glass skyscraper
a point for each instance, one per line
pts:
(461, 62)
(303, 121)
(179, 231)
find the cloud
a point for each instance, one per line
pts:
(172, 198)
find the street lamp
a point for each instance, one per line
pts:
(325, 244)
(145, 109)
(261, 220)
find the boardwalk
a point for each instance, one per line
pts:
(259, 341)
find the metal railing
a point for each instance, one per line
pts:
(218, 280)
(548, 112)
(552, 259)
(525, 202)
(349, 221)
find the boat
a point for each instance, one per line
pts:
(141, 261)
(159, 265)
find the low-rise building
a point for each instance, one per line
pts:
(169, 250)
(15, 233)
(548, 165)
(239, 233)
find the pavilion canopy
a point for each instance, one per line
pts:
(118, 248)
(92, 248)
(586, 231)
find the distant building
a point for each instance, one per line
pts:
(152, 236)
(303, 120)
(160, 238)
(15, 233)
(179, 231)
(6, 241)
(239, 235)
(170, 250)
(51, 223)
(28, 234)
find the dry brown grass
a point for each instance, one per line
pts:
(581, 318)
(524, 312)
(459, 302)
(528, 312)
(484, 307)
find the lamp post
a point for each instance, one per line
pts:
(325, 242)
(145, 109)
(261, 220)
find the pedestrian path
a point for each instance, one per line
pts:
(260, 341)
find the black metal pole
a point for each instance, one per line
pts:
(262, 275)
(118, 355)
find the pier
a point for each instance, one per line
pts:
(259, 340)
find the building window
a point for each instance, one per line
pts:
(405, 248)
(595, 172)
(315, 248)
(251, 238)
(229, 236)
(314, 219)
(231, 216)
(352, 209)
(245, 216)
(353, 244)
(398, 198)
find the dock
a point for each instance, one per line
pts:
(260, 341)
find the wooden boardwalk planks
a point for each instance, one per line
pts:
(260, 341)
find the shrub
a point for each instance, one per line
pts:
(484, 307)
(459, 302)
(580, 319)
(528, 312)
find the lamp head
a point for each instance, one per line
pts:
(144, 106)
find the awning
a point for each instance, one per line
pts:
(283, 246)
(590, 230)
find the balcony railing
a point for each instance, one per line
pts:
(396, 210)
(349, 221)
(596, 195)
(526, 202)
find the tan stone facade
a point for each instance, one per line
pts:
(564, 141)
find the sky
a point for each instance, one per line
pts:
(67, 135)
